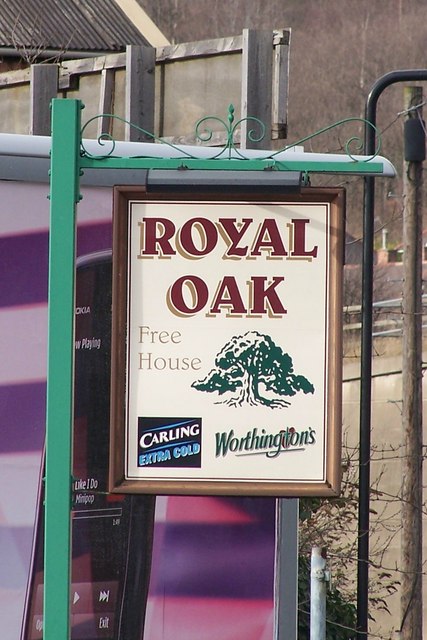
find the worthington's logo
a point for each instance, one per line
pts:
(257, 442)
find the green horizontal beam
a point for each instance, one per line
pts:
(232, 164)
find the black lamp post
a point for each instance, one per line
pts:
(409, 75)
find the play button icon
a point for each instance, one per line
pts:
(76, 597)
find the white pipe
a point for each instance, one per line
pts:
(318, 587)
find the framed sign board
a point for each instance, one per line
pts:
(226, 344)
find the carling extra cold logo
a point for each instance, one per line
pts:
(169, 442)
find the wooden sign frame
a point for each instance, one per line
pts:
(209, 291)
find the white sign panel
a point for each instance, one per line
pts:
(229, 344)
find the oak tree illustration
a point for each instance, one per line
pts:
(249, 363)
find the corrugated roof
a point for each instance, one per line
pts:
(76, 25)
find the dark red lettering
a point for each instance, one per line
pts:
(232, 235)
(268, 237)
(265, 298)
(154, 233)
(198, 291)
(228, 295)
(299, 249)
(208, 235)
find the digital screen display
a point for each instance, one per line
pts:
(100, 555)
(111, 534)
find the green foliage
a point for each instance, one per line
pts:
(340, 613)
(249, 363)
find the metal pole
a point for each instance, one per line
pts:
(411, 627)
(318, 588)
(286, 570)
(60, 375)
(366, 346)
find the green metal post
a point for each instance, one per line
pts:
(60, 376)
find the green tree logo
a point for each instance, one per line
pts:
(249, 363)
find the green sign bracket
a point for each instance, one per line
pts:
(70, 156)
(106, 153)
(306, 166)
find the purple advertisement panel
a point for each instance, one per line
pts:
(212, 573)
(213, 558)
(24, 211)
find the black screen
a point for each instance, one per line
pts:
(111, 533)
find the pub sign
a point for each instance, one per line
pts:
(226, 343)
